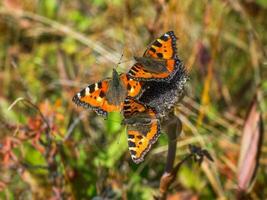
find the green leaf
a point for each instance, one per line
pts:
(34, 157)
(113, 152)
(49, 8)
(190, 178)
(263, 3)
(113, 123)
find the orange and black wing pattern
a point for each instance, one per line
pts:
(95, 95)
(139, 72)
(143, 128)
(134, 88)
(159, 62)
(163, 48)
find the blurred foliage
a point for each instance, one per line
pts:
(50, 49)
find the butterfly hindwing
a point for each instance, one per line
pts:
(143, 128)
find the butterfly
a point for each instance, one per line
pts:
(108, 95)
(143, 127)
(159, 61)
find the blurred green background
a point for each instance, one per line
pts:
(50, 49)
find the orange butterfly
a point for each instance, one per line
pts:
(159, 62)
(108, 95)
(143, 128)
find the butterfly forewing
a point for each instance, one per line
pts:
(159, 62)
(93, 96)
(163, 48)
(104, 97)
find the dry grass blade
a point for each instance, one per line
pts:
(66, 30)
(250, 148)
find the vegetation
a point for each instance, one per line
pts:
(51, 149)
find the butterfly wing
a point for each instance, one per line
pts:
(134, 88)
(99, 96)
(94, 97)
(143, 128)
(139, 72)
(163, 48)
(159, 61)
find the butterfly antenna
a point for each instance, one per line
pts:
(119, 61)
(122, 61)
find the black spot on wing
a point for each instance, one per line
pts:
(131, 144)
(157, 44)
(126, 107)
(160, 55)
(131, 136)
(82, 93)
(99, 84)
(129, 86)
(139, 137)
(152, 49)
(101, 94)
(133, 152)
(91, 88)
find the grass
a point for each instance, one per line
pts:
(51, 49)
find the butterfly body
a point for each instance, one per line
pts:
(116, 91)
(108, 95)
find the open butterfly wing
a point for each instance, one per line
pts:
(143, 128)
(163, 48)
(94, 97)
(134, 88)
(140, 73)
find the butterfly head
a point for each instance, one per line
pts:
(115, 78)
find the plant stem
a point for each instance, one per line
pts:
(173, 129)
